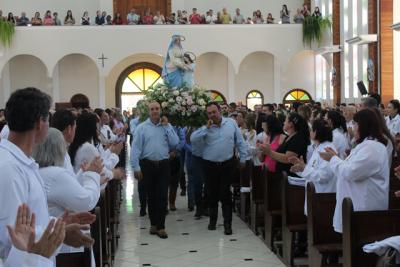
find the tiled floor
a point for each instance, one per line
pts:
(189, 242)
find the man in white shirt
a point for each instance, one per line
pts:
(28, 119)
(132, 18)
(238, 18)
(211, 18)
(393, 118)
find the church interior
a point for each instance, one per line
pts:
(331, 63)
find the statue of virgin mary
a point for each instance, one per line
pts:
(177, 71)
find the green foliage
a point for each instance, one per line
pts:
(7, 31)
(314, 29)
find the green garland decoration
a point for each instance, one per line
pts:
(314, 28)
(7, 31)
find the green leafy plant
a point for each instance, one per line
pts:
(314, 29)
(7, 31)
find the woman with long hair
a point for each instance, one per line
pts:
(275, 137)
(69, 19)
(294, 145)
(364, 175)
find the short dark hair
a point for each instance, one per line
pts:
(274, 126)
(269, 106)
(233, 105)
(396, 104)
(377, 97)
(25, 107)
(323, 132)
(338, 121)
(62, 119)
(213, 103)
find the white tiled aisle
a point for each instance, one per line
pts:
(189, 242)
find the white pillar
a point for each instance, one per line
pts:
(6, 83)
(231, 83)
(396, 49)
(102, 91)
(56, 84)
(278, 82)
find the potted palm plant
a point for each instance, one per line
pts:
(314, 29)
(7, 31)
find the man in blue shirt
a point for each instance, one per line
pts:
(152, 142)
(220, 136)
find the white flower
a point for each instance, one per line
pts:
(193, 108)
(183, 113)
(185, 94)
(164, 104)
(183, 103)
(176, 92)
(189, 113)
(201, 102)
(171, 100)
(189, 101)
(179, 99)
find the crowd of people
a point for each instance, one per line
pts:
(157, 18)
(347, 149)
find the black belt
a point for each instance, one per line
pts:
(155, 162)
(219, 163)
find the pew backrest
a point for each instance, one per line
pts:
(292, 204)
(273, 190)
(364, 227)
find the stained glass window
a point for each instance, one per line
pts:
(254, 98)
(297, 95)
(217, 96)
(134, 85)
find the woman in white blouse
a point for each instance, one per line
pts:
(364, 174)
(338, 124)
(86, 145)
(63, 190)
(317, 169)
(393, 118)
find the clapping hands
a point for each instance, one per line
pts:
(298, 164)
(328, 154)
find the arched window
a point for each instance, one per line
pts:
(134, 81)
(217, 96)
(297, 95)
(253, 98)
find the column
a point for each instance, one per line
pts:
(6, 83)
(231, 83)
(278, 82)
(56, 84)
(102, 91)
(337, 60)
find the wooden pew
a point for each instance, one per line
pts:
(363, 227)
(322, 239)
(95, 231)
(244, 206)
(79, 259)
(272, 206)
(293, 218)
(257, 198)
(105, 245)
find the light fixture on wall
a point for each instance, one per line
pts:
(329, 49)
(363, 39)
(396, 26)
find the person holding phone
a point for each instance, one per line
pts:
(220, 136)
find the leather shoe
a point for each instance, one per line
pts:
(142, 212)
(212, 227)
(228, 229)
(153, 230)
(162, 234)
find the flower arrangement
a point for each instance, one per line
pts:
(183, 106)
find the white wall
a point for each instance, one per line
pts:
(28, 71)
(247, 7)
(396, 49)
(212, 72)
(256, 73)
(300, 73)
(78, 74)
